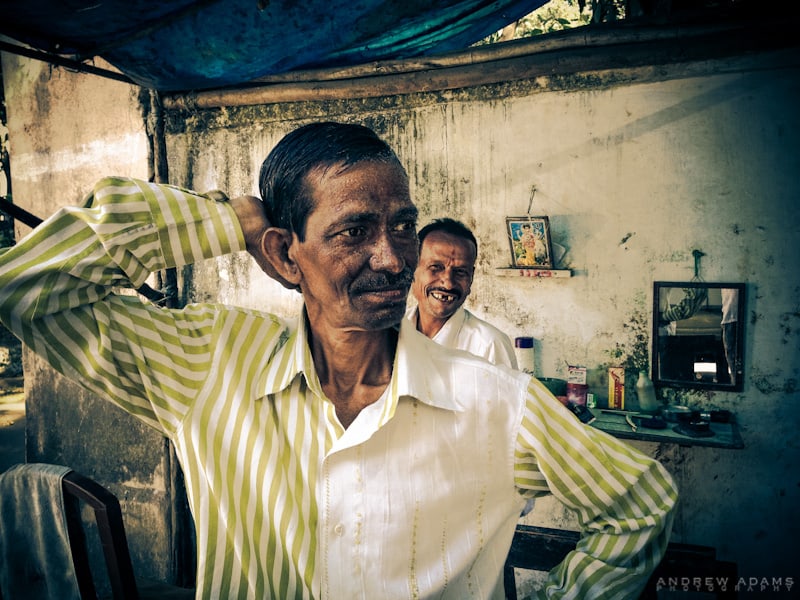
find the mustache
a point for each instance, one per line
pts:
(451, 292)
(378, 282)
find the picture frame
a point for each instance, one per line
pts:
(529, 241)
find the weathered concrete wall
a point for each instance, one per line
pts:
(633, 176)
(66, 130)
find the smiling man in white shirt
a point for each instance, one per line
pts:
(442, 282)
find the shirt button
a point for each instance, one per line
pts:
(339, 529)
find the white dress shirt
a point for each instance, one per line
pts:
(465, 331)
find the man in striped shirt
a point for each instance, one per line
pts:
(339, 456)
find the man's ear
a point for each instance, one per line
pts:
(276, 263)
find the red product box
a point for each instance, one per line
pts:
(616, 388)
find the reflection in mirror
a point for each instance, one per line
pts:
(698, 333)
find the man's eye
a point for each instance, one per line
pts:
(406, 226)
(354, 232)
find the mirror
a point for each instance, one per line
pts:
(698, 335)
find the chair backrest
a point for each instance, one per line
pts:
(111, 530)
(536, 549)
(43, 542)
(542, 548)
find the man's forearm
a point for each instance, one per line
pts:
(127, 230)
(57, 283)
(623, 499)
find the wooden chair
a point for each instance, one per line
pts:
(111, 530)
(78, 490)
(685, 567)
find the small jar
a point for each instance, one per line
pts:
(523, 348)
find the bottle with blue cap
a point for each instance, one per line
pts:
(523, 348)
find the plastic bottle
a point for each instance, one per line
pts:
(646, 394)
(523, 348)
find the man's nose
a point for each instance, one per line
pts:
(387, 255)
(446, 278)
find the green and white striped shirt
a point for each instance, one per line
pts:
(418, 498)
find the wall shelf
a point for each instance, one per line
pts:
(726, 435)
(537, 273)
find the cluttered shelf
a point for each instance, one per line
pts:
(539, 273)
(714, 430)
(653, 422)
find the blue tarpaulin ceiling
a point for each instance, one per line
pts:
(184, 45)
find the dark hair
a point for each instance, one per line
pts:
(282, 180)
(447, 225)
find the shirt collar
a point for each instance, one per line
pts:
(447, 336)
(291, 359)
(418, 369)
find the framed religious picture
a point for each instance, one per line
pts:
(529, 238)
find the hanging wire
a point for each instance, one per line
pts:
(530, 201)
(697, 255)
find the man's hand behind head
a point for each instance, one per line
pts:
(254, 223)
